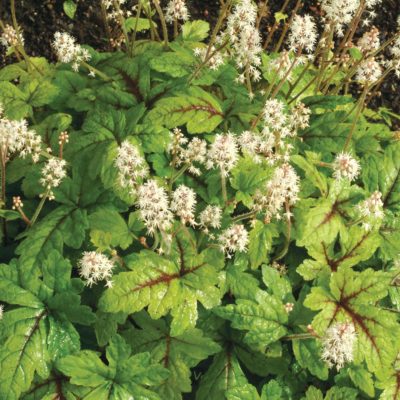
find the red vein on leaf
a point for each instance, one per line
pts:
(207, 108)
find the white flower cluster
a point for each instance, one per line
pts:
(339, 13)
(112, 12)
(9, 37)
(282, 65)
(1, 311)
(132, 167)
(223, 153)
(52, 174)
(258, 146)
(245, 38)
(176, 10)
(215, 58)
(233, 239)
(191, 153)
(95, 267)
(154, 207)
(279, 126)
(282, 188)
(338, 344)
(303, 34)
(274, 114)
(67, 50)
(299, 117)
(369, 41)
(210, 217)
(371, 210)
(369, 72)
(345, 167)
(395, 62)
(183, 204)
(16, 137)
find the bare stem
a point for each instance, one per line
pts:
(299, 336)
(138, 12)
(97, 72)
(105, 21)
(287, 26)
(3, 192)
(241, 217)
(223, 188)
(162, 20)
(288, 72)
(359, 109)
(275, 26)
(39, 207)
(123, 27)
(288, 233)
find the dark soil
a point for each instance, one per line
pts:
(40, 19)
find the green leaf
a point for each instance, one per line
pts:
(277, 284)
(307, 353)
(341, 393)
(326, 102)
(353, 296)
(176, 353)
(223, 375)
(265, 321)
(240, 283)
(106, 326)
(65, 224)
(70, 8)
(391, 387)
(272, 391)
(138, 24)
(195, 31)
(260, 239)
(10, 215)
(383, 173)
(246, 178)
(196, 108)
(173, 64)
(109, 229)
(24, 352)
(248, 392)
(321, 223)
(123, 376)
(280, 17)
(41, 92)
(312, 173)
(164, 285)
(14, 101)
(11, 292)
(41, 331)
(362, 379)
(355, 53)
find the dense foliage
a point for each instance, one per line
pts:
(197, 217)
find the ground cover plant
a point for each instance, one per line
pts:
(202, 212)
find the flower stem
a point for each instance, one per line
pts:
(123, 27)
(223, 188)
(275, 26)
(288, 234)
(162, 20)
(359, 109)
(241, 217)
(39, 208)
(3, 193)
(299, 336)
(138, 12)
(287, 26)
(102, 75)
